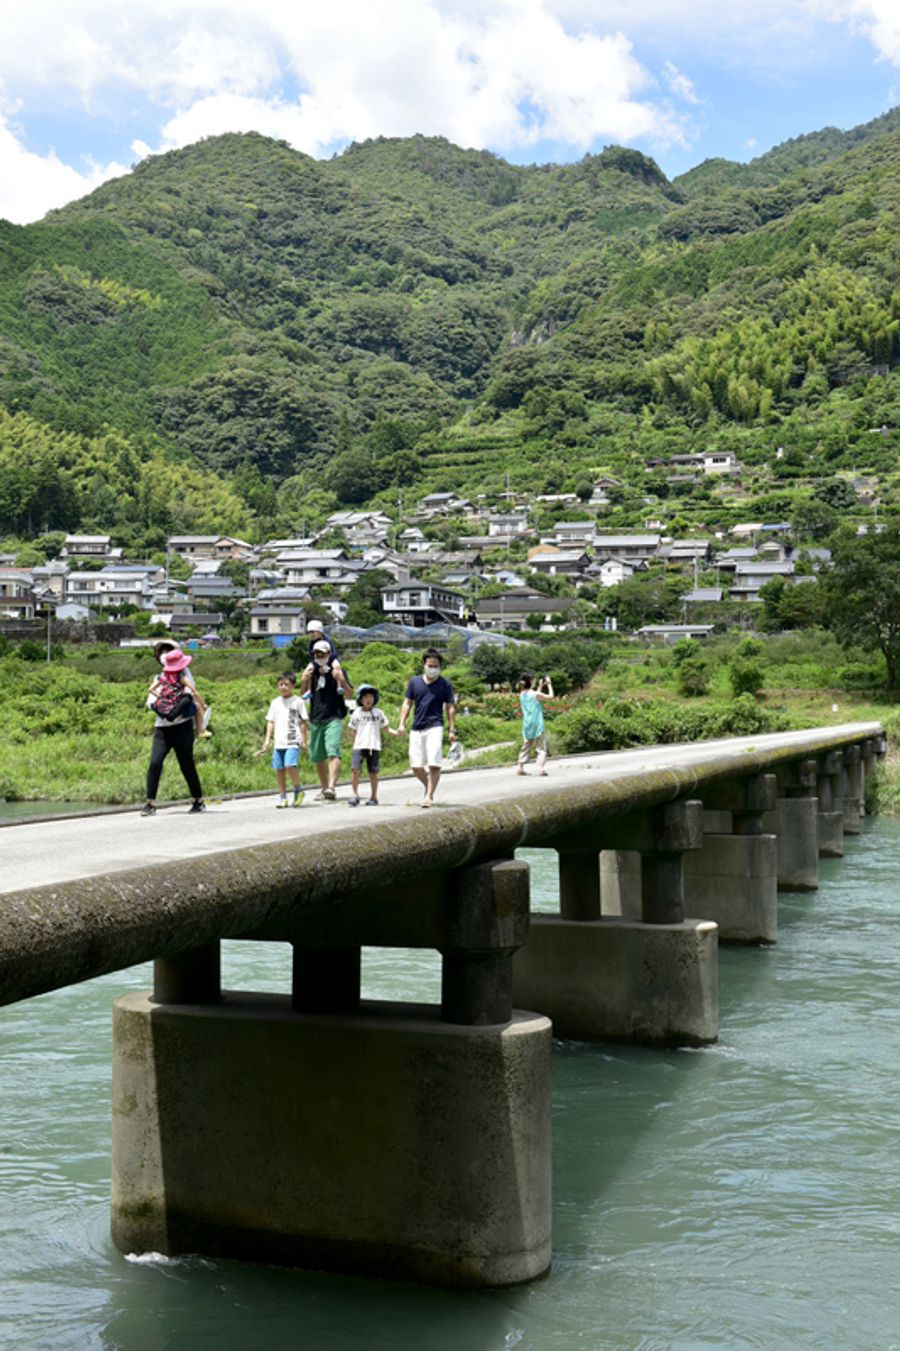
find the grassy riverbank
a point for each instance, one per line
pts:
(78, 730)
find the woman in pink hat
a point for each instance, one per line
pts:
(171, 699)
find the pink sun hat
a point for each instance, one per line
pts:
(175, 661)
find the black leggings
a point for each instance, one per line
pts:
(178, 737)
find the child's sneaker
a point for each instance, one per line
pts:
(198, 805)
(352, 801)
(148, 809)
(372, 802)
(282, 801)
(298, 797)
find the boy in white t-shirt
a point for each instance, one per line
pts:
(286, 727)
(367, 724)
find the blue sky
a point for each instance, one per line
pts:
(88, 87)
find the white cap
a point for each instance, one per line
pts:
(315, 626)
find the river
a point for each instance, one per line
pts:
(743, 1195)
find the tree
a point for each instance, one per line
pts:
(744, 669)
(862, 594)
(364, 598)
(837, 493)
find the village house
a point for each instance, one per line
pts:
(417, 603)
(51, 577)
(17, 598)
(90, 546)
(507, 523)
(413, 541)
(753, 574)
(190, 547)
(318, 567)
(116, 585)
(673, 633)
(557, 562)
(206, 592)
(279, 611)
(442, 504)
(514, 608)
(631, 547)
(610, 571)
(571, 533)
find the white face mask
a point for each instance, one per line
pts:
(431, 673)
(322, 661)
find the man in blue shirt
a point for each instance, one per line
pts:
(427, 695)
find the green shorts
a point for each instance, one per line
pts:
(325, 740)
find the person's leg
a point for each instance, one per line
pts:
(333, 747)
(159, 749)
(281, 781)
(417, 760)
(355, 766)
(322, 771)
(183, 746)
(522, 759)
(434, 738)
(374, 761)
(541, 744)
(294, 773)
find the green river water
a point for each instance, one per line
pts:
(744, 1195)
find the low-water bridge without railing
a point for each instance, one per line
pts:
(413, 1141)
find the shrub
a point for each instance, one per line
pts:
(693, 676)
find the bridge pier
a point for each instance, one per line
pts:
(398, 1141)
(850, 790)
(599, 976)
(830, 768)
(795, 823)
(733, 879)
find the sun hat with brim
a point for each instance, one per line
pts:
(367, 689)
(175, 661)
(322, 646)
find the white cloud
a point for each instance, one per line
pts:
(504, 74)
(679, 84)
(509, 74)
(877, 20)
(32, 184)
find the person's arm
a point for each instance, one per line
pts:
(306, 679)
(451, 712)
(270, 731)
(404, 714)
(342, 680)
(547, 691)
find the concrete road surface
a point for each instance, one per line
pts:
(53, 850)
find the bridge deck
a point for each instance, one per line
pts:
(56, 851)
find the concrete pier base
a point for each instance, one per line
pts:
(622, 980)
(620, 883)
(733, 880)
(388, 1143)
(795, 823)
(831, 834)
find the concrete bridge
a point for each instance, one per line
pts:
(395, 1140)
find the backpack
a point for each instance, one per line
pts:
(173, 701)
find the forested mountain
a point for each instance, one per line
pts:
(235, 333)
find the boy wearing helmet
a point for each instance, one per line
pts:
(367, 724)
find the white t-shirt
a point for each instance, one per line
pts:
(286, 715)
(367, 724)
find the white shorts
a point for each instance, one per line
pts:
(425, 748)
